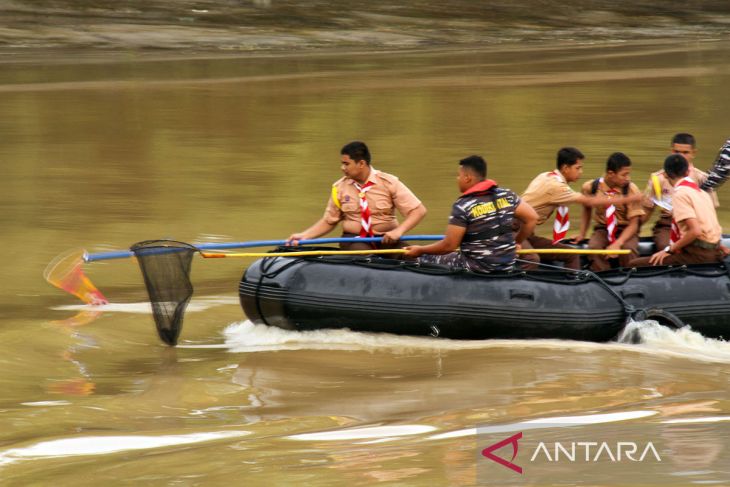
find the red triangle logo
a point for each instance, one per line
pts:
(487, 452)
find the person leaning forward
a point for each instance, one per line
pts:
(549, 192)
(616, 226)
(480, 224)
(697, 233)
(659, 190)
(365, 200)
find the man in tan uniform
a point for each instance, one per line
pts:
(616, 226)
(659, 190)
(697, 236)
(550, 191)
(365, 200)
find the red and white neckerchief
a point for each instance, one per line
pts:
(610, 216)
(366, 229)
(674, 233)
(562, 218)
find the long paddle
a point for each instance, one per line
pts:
(123, 254)
(309, 253)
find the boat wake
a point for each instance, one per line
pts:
(652, 338)
(682, 342)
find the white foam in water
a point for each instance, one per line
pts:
(682, 342)
(246, 336)
(104, 445)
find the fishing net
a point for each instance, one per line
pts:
(165, 265)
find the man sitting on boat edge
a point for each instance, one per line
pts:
(616, 226)
(480, 224)
(364, 200)
(696, 232)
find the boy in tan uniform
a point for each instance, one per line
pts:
(697, 236)
(365, 200)
(659, 190)
(616, 226)
(549, 192)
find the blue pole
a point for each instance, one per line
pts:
(122, 254)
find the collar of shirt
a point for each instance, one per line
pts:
(688, 179)
(610, 189)
(480, 187)
(558, 175)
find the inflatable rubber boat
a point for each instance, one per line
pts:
(382, 295)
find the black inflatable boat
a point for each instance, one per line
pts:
(382, 295)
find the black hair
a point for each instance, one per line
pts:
(357, 151)
(682, 138)
(616, 161)
(475, 164)
(569, 156)
(676, 166)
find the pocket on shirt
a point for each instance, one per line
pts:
(349, 207)
(384, 205)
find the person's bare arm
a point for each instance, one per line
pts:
(528, 216)
(692, 233)
(631, 229)
(412, 219)
(599, 200)
(451, 241)
(321, 227)
(585, 223)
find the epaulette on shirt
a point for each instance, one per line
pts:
(335, 196)
(656, 184)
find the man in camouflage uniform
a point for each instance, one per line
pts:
(480, 225)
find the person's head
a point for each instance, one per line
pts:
(685, 145)
(676, 167)
(355, 161)
(472, 170)
(570, 163)
(618, 170)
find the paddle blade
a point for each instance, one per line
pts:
(165, 266)
(65, 272)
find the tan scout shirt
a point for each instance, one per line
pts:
(624, 213)
(667, 191)
(546, 192)
(387, 195)
(689, 202)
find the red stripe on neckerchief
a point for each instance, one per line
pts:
(562, 216)
(480, 187)
(674, 233)
(687, 182)
(366, 228)
(610, 215)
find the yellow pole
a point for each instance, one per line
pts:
(309, 253)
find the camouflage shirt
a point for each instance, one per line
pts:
(489, 242)
(720, 170)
